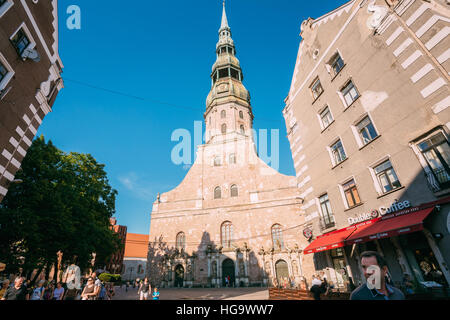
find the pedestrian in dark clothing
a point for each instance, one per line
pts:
(16, 292)
(316, 287)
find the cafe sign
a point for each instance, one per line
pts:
(396, 206)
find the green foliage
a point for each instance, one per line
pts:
(64, 204)
(106, 277)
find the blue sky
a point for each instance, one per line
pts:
(154, 59)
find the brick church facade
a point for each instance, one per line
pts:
(233, 216)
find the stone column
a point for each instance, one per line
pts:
(219, 271)
(236, 269)
(401, 258)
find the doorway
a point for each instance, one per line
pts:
(282, 271)
(228, 272)
(179, 276)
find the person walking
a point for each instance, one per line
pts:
(378, 287)
(97, 283)
(38, 292)
(16, 292)
(144, 290)
(155, 294)
(89, 291)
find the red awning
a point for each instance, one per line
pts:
(330, 241)
(403, 222)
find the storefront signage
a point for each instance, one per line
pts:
(363, 217)
(307, 233)
(396, 206)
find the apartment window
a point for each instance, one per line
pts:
(316, 89)
(326, 117)
(234, 191)
(436, 151)
(4, 6)
(277, 237)
(327, 213)
(3, 72)
(349, 93)
(351, 194)
(387, 177)
(181, 241)
(226, 233)
(337, 64)
(338, 153)
(217, 161)
(217, 193)
(366, 131)
(20, 41)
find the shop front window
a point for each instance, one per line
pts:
(339, 266)
(436, 151)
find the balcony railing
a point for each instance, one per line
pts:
(327, 222)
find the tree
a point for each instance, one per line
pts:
(63, 204)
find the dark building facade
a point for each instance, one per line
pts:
(30, 77)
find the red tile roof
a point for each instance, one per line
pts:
(136, 245)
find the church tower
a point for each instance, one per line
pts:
(232, 216)
(228, 109)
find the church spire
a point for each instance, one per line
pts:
(224, 19)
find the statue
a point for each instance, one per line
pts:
(379, 12)
(241, 268)
(214, 269)
(295, 267)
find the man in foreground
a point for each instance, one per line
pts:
(375, 271)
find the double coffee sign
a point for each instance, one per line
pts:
(396, 206)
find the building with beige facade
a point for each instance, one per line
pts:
(233, 217)
(30, 78)
(368, 122)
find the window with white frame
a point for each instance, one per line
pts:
(386, 176)
(349, 93)
(337, 64)
(337, 153)
(4, 6)
(316, 89)
(366, 131)
(351, 194)
(436, 151)
(6, 72)
(20, 41)
(327, 213)
(326, 118)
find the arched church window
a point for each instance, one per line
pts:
(241, 115)
(226, 233)
(232, 158)
(242, 129)
(224, 129)
(217, 161)
(217, 193)
(181, 241)
(223, 114)
(234, 191)
(277, 237)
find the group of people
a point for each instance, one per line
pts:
(145, 290)
(22, 289)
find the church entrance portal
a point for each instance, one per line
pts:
(282, 271)
(179, 276)
(228, 271)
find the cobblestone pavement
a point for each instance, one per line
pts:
(198, 294)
